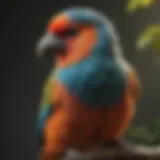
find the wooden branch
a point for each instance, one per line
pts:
(129, 152)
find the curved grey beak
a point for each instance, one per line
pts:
(48, 44)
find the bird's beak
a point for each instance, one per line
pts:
(49, 44)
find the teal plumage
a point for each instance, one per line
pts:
(103, 80)
(98, 79)
(100, 82)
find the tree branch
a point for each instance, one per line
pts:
(129, 152)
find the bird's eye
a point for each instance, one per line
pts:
(69, 32)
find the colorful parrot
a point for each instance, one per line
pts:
(91, 94)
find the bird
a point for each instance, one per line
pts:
(91, 94)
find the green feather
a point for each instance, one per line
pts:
(45, 107)
(48, 89)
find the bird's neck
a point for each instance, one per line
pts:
(103, 47)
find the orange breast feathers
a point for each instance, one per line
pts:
(75, 125)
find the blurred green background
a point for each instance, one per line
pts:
(148, 134)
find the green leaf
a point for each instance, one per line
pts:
(146, 135)
(134, 5)
(150, 37)
(141, 135)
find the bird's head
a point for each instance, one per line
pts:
(75, 33)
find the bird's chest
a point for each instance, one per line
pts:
(94, 83)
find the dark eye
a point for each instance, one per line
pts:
(69, 32)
